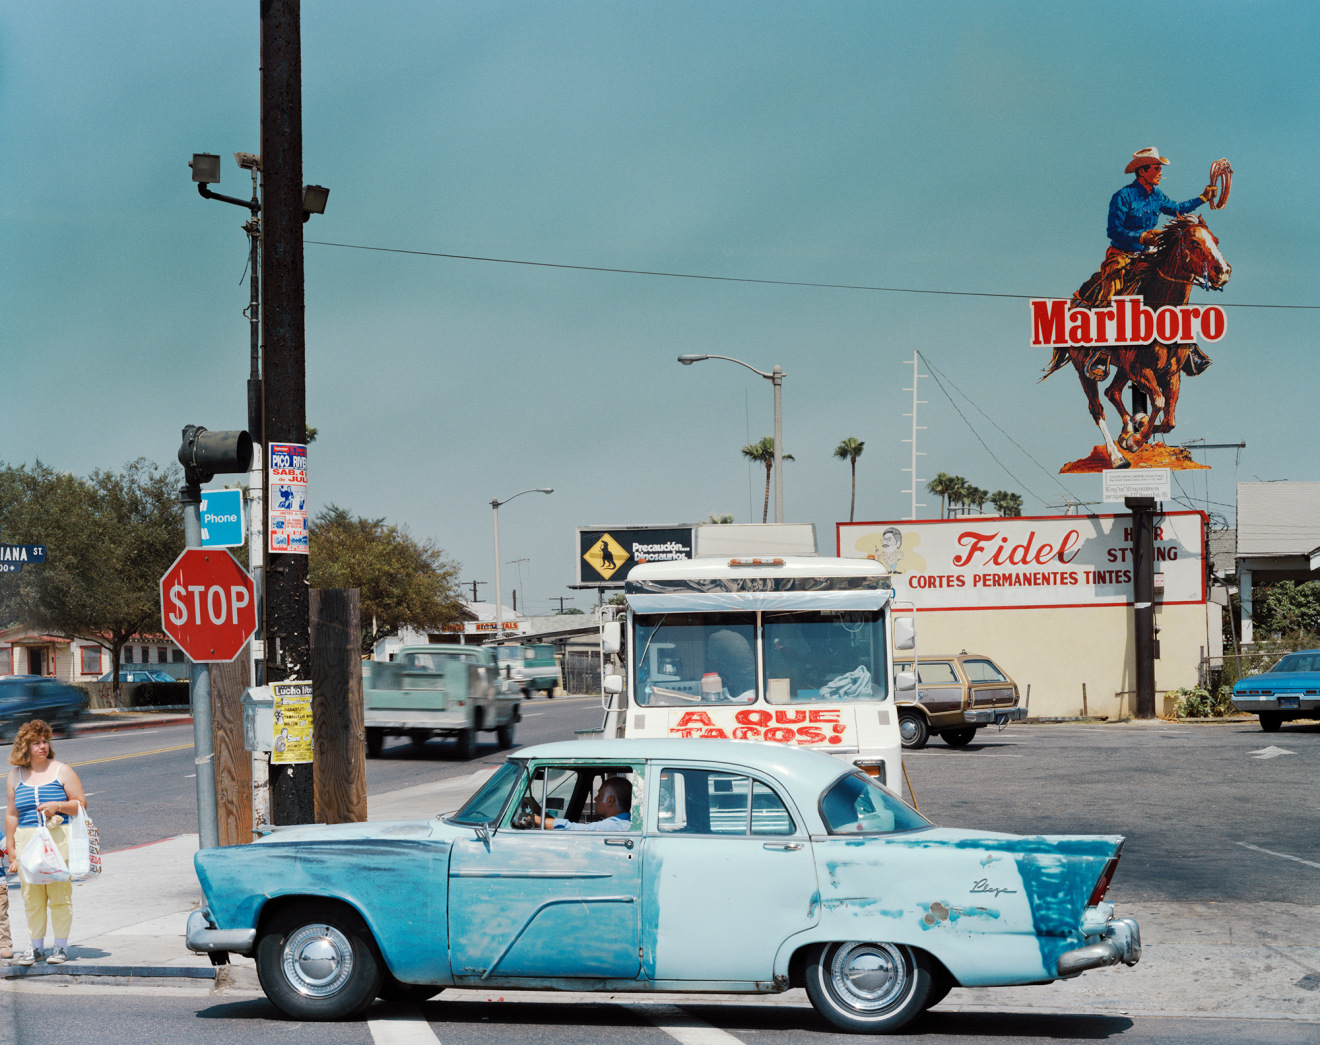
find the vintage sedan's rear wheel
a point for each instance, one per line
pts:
(868, 987)
(318, 962)
(1270, 721)
(913, 730)
(959, 737)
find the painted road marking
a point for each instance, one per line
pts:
(405, 1026)
(1281, 856)
(135, 754)
(1270, 752)
(685, 1028)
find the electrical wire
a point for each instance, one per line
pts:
(722, 279)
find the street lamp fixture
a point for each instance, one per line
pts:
(499, 592)
(776, 378)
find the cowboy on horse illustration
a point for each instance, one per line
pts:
(1134, 211)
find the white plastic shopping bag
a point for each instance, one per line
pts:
(40, 862)
(84, 846)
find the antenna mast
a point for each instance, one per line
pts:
(916, 483)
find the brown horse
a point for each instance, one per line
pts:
(1186, 255)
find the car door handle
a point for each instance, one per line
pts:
(627, 843)
(786, 847)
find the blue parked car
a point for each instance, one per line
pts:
(732, 866)
(1290, 689)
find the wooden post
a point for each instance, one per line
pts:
(339, 771)
(233, 764)
(1085, 713)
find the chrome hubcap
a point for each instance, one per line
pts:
(317, 960)
(870, 977)
(907, 729)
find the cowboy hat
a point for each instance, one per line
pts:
(1144, 157)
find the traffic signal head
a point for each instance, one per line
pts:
(203, 454)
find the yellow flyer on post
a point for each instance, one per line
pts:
(293, 723)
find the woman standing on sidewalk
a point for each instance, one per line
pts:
(40, 785)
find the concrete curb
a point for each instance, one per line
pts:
(77, 972)
(82, 729)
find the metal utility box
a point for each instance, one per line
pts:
(258, 718)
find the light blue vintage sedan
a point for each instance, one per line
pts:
(663, 865)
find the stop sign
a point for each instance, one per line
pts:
(207, 604)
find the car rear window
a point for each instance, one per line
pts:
(983, 671)
(856, 804)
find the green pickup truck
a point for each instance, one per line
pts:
(438, 690)
(531, 666)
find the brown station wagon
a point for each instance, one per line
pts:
(955, 696)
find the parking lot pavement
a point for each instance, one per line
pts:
(1232, 959)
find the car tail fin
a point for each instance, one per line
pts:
(1102, 884)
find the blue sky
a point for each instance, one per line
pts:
(968, 147)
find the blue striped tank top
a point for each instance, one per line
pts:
(27, 798)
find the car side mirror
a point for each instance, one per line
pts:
(905, 633)
(613, 684)
(611, 637)
(905, 681)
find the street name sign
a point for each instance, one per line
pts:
(207, 605)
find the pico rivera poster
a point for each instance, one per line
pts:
(1132, 327)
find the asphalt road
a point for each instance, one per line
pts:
(141, 783)
(39, 1015)
(1210, 812)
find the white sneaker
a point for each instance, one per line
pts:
(57, 956)
(29, 957)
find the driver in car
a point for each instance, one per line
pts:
(614, 802)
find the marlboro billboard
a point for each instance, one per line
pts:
(1134, 318)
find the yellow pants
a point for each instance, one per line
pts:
(57, 896)
(6, 939)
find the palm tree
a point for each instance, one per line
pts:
(959, 488)
(1006, 503)
(941, 486)
(975, 495)
(849, 450)
(764, 453)
(719, 520)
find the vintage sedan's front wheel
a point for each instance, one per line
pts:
(868, 987)
(318, 962)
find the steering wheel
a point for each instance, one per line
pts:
(528, 810)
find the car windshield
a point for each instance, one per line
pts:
(856, 804)
(1297, 662)
(488, 803)
(821, 656)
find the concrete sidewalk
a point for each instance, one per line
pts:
(1203, 959)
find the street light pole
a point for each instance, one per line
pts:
(775, 377)
(495, 510)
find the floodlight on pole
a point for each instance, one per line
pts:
(776, 378)
(499, 595)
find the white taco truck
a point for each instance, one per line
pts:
(786, 649)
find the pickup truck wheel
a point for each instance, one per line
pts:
(868, 987)
(465, 744)
(959, 737)
(375, 741)
(505, 735)
(1270, 721)
(527, 693)
(318, 962)
(913, 730)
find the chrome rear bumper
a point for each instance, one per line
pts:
(1121, 942)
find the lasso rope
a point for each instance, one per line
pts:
(1221, 174)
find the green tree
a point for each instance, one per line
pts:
(849, 450)
(719, 520)
(975, 495)
(959, 489)
(1006, 503)
(109, 539)
(402, 582)
(764, 453)
(570, 611)
(1285, 608)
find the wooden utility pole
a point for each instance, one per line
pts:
(1143, 601)
(233, 764)
(288, 654)
(340, 737)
